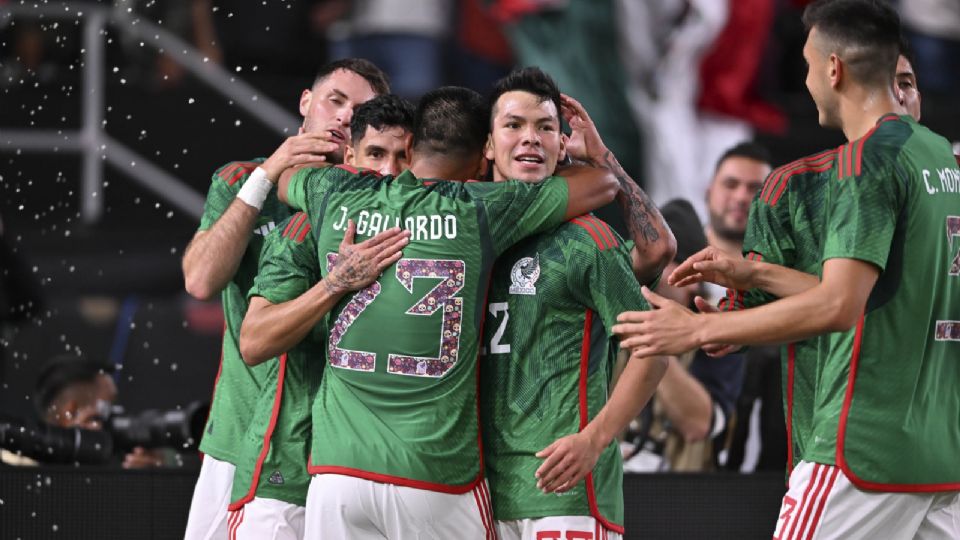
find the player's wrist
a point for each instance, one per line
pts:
(255, 190)
(760, 276)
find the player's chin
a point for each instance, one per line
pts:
(529, 174)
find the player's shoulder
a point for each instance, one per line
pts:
(295, 229)
(781, 178)
(236, 172)
(592, 231)
(878, 149)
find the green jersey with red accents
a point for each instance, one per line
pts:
(548, 363)
(237, 384)
(785, 227)
(887, 408)
(398, 401)
(272, 454)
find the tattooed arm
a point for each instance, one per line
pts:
(654, 244)
(271, 329)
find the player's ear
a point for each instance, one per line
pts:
(408, 147)
(488, 147)
(484, 168)
(835, 70)
(563, 147)
(305, 99)
(350, 156)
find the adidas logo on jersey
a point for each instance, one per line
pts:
(524, 275)
(276, 478)
(264, 230)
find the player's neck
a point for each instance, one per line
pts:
(860, 111)
(441, 168)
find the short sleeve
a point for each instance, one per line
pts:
(768, 234)
(599, 274)
(517, 209)
(308, 186)
(224, 186)
(862, 216)
(289, 264)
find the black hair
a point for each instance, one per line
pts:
(62, 371)
(450, 120)
(749, 150)
(383, 111)
(532, 80)
(378, 80)
(865, 34)
(906, 50)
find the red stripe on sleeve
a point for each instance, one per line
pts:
(590, 230)
(602, 229)
(303, 232)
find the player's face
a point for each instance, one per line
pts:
(384, 151)
(327, 108)
(524, 141)
(905, 88)
(728, 199)
(818, 81)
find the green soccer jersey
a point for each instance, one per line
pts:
(398, 402)
(786, 228)
(272, 454)
(887, 408)
(546, 374)
(237, 384)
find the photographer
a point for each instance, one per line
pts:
(74, 392)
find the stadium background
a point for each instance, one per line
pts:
(109, 284)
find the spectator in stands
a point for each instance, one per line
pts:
(933, 29)
(405, 39)
(681, 428)
(738, 175)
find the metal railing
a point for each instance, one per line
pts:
(92, 141)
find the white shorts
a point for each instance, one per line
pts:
(266, 519)
(208, 508)
(822, 504)
(555, 528)
(340, 506)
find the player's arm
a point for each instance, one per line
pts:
(654, 243)
(213, 255)
(833, 305)
(588, 188)
(569, 459)
(685, 401)
(736, 272)
(270, 329)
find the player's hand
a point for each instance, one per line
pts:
(716, 266)
(713, 350)
(566, 462)
(297, 150)
(142, 458)
(359, 265)
(668, 329)
(584, 142)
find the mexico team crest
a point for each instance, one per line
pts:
(524, 275)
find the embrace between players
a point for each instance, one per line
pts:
(415, 354)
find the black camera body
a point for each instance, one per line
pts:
(177, 428)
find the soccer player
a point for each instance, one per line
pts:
(547, 424)
(881, 458)
(222, 258)
(270, 484)
(786, 229)
(395, 422)
(380, 135)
